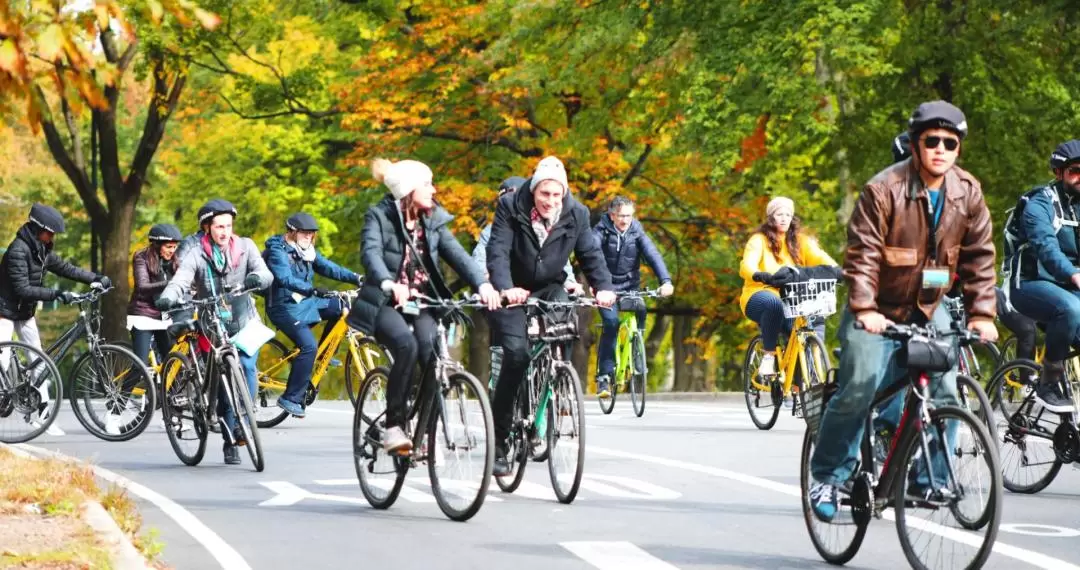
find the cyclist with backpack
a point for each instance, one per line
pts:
(1042, 266)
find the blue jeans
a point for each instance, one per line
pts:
(867, 364)
(142, 341)
(224, 408)
(605, 353)
(1057, 307)
(304, 339)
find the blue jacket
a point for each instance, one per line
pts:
(1050, 255)
(624, 252)
(294, 275)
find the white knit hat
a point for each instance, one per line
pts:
(550, 168)
(779, 203)
(401, 177)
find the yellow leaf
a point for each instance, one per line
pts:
(51, 42)
(209, 20)
(156, 11)
(9, 56)
(102, 11)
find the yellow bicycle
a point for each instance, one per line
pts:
(803, 362)
(364, 355)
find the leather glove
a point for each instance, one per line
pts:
(65, 297)
(252, 281)
(105, 282)
(163, 304)
(320, 292)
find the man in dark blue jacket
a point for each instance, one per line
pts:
(1043, 265)
(295, 305)
(624, 244)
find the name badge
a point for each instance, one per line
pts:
(410, 308)
(935, 278)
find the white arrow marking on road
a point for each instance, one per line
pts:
(644, 490)
(1040, 530)
(54, 430)
(616, 556)
(287, 494)
(451, 485)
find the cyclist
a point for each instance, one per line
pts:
(778, 242)
(295, 305)
(624, 243)
(222, 261)
(22, 274)
(1044, 263)
(916, 223)
(404, 237)
(535, 230)
(152, 267)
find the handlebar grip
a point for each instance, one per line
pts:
(761, 276)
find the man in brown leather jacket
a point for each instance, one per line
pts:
(897, 274)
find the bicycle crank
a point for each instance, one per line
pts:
(1067, 441)
(862, 499)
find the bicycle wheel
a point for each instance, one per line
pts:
(381, 475)
(1024, 429)
(608, 404)
(816, 359)
(639, 373)
(967, 497)
(763, 406)
(974, 399)
(184, 408)
(836, 541)
(517, 452)
(356, 372)
(1008, 349)
(30, 392)
(461, 447)
(982, 360)
(566, 433)
(271, 385)
(244, 410)
(112, 394)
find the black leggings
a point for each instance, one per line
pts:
(408, 347)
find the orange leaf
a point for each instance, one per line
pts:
(209, 20)
(51, 42)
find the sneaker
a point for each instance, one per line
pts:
(602, 388)
(292, 407)
(394, 439)
(232, 455)
(824, 500)
(1048, 395)
(500, 467)
(767, 366)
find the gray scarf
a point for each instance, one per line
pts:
(307, 254)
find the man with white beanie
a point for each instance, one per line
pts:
(535, 231)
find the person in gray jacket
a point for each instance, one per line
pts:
(220, 262)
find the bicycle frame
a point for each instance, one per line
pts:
(628, 329)
(791, 356)
(341, 332)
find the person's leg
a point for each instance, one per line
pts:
(329, 313)
(765, 309)
(27, 332)
(140, 343)
(605, 352)
(300, 373)
(1060, 309)
(392, 331)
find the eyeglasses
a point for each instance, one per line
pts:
(1073, 171)
(933, 142)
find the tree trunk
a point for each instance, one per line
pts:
(583, 347)
(691, 369)
(115, 245)
(656, 336)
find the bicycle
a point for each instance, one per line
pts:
(111, 393)
(978, 359)
(804, 360)
(192, 392)
(447, 392)
(27, 380)
(630, 363)
(925, 432)
(550, 391)
(364, 355)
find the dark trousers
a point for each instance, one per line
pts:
(304, 339)
(407, 347)
(142, 341)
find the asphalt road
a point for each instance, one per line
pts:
(689, 485)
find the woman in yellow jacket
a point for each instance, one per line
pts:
(778, 242)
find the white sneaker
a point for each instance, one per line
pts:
(767, 366)
(394, 439)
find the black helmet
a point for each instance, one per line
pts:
(47, 218)
(901, 147)
(215, 207)
(511, 184)
(302, 222)
(165, 233)
(937, 115)
(1065, 154)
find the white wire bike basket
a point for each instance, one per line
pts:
(812, 298)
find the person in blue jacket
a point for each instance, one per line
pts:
(295, 305)
(625, 245)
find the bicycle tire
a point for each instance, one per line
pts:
(184, 382)
(817, 528)
(518, 452)
(567, 401)
(365, 421)
(639, 373)
(992, 512)
(968, 389)
(354, 379)
(1015, 426)
(136, 376)
(1008, 350)
(991, 357)
(434, 435)
(607, 405)
(244, 410)
(753, 395)
(816, 359)
(8, 406)
(274, 415)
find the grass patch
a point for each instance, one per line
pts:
(122, 509)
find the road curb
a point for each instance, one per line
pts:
(124, 554)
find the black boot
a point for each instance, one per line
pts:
(1048, 391)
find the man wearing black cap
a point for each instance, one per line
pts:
(295, 305)
(916, 224)
(22, 274)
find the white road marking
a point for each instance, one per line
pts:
(616, 556)
(55, 430)
(225, 555)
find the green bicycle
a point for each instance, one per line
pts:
(631, 366)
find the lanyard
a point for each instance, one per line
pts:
(932, 224)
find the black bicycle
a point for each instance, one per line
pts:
(30, 392)
(942, 467)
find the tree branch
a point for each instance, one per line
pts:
(161, 108)
(63, 159)
(495, 141)
(637, 165)
(73, 128)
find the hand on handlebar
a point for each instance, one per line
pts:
(605, 298)
(873, 322)
(516, 295)
(986, 330)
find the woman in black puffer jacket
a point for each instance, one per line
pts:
(152, 268)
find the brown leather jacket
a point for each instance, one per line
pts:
(887, 245)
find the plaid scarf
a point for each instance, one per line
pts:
(412, 270)
(542, 226)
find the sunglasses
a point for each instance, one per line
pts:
(1073, 170)
(933, 142)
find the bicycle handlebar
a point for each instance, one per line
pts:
(96, 292)
(469, 301)
(903, 332)
(212, 300)
(642, 294)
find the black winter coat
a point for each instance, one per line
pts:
(22, 275)
(624, 254)
(383, 251)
